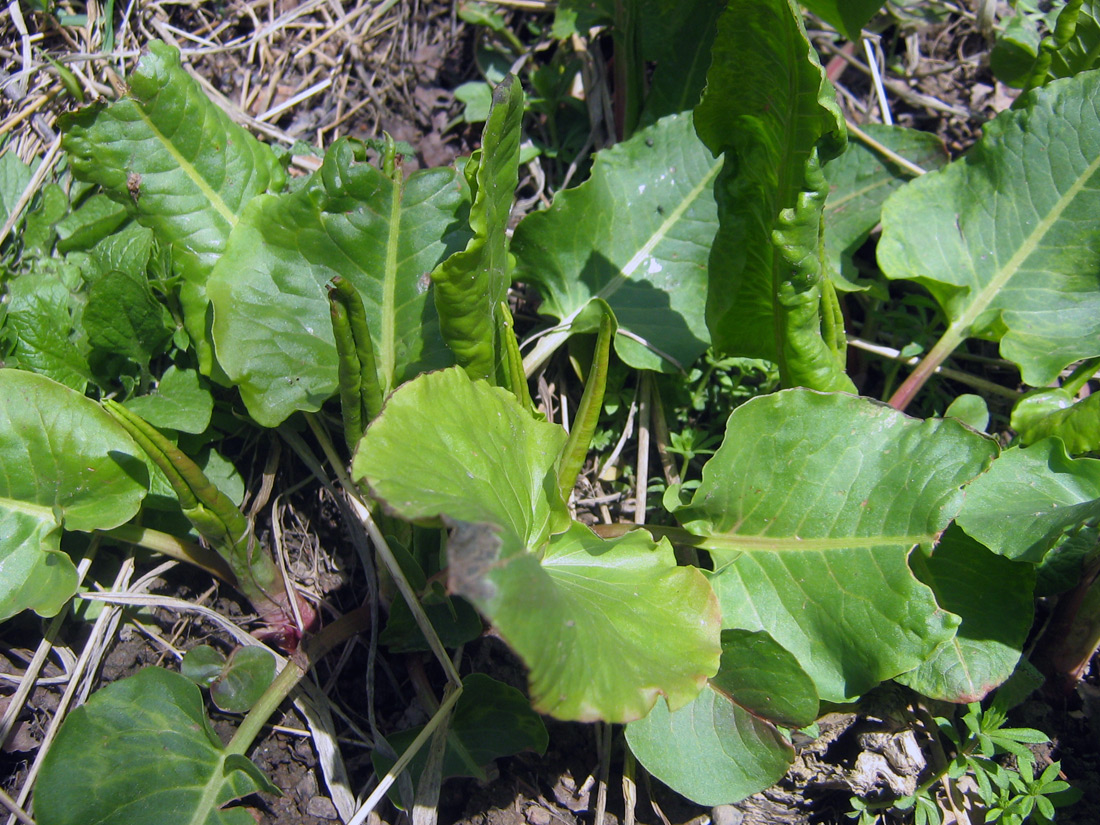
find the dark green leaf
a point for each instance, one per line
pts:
(764, 679)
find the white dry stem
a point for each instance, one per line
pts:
(874, 55)
(84, 665)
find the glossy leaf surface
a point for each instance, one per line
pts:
(764, 679)
(770, 110)
(142, 752)
(711, 751)
(1029, 498)
(1006, 239)
(471, 284)
(811, 524)
(618, 622)
(1054, 412)
(635, 234)
(180, 164)
(63, 461)
(272, 323)
(993, 597)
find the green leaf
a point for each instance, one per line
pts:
(272, 323)
(811, 524)
(247, 674)
(180, 402)
(1044, 413)
(142, 752)
(91, 222)
(859, 182)
(44, 315)
(490, 720)
(447, 445)
(677, 36)
(970, 410)
(999, 238)
(636, 234)
(1029, 498)
(63, 462)
(14, 177)
(182, 167)
(711, 751)
(764, 679)
(770, 110)
(847, 16)
(123, 317)
(471, 284)
(993, 597)
(202, 664)
(617, 624)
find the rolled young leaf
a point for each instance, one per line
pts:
(471, 285)
(770, 110)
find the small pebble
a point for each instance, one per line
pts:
(322, 808)
(538, 816)
(726, 815)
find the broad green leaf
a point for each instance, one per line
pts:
(994, 598)
(181, 402)
(471, 284)
(1029, 498)
(676, 36)
(1064, 564)
(1014, 54)
(636, 234)
(182, 167)
(1005, 238)
(122, 316)
(811, 523)
(38, 233)
(859, 182)
(770, 110)
(711, 751)
(764, 679)
(202, 664)
(446, 445)
(490, 720)
(44, 315)
(1054, 412)
(847, 16)
(618, 622)
(272, 323)
(63, 463)
(91, 222)
(142, 752)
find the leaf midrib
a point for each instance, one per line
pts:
(824, 543)
(389, 291)
(984, 297)
(189, 169)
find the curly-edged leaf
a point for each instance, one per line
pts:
(811, 524)
(711, 751)
(471, 284)
(859, 182)
(1029, 498)
(605, 626)
(272, 322)
(63, 463)
(1044, 413)
(993, 597)
(446, 445)
(1006, 239)
(765, 679)
(142, 752)
(769, 108)
(847, 16)
(636, 234)
(180, 164)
